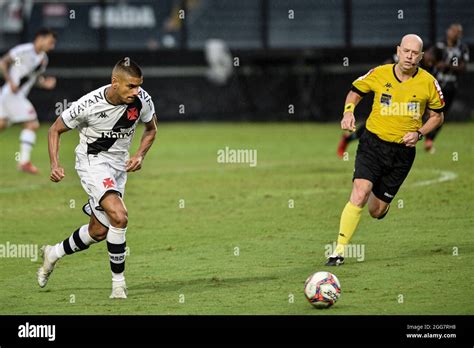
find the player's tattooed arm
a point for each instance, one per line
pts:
(58, 127)
(348, 119)
(5, 62)
(135, 162)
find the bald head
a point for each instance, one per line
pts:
(409, 52)
(413, 41)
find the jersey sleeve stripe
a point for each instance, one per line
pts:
(62, 118)
(358, 91)
(436, 110)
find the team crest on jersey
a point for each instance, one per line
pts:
(132, 114)
(108, 183)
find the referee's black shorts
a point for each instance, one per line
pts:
(383, 163)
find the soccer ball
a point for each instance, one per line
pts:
(322, 289)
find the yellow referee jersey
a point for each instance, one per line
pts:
(398, 106)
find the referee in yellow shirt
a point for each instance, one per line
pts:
(386, 150)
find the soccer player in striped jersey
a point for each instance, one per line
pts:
(23, 67)
(106, 119)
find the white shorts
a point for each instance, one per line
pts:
(16, 108)
(97, 178)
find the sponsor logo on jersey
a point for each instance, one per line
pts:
(103, 115)
(385, 99)
(117, 135)
(388, 85)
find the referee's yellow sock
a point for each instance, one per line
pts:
(350, 218)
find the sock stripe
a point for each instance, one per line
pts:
(77, 239)
(67, 247)
(116, 248)
(117, 267)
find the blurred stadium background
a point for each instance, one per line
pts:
(284, 52)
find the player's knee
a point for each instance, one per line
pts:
(99, 235)
(3, 124)
(119, 218)
(97, 232)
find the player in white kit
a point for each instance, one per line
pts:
(22, 67)
(106, 120)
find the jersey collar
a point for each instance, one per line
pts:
(396, 77)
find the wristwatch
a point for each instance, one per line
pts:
(420, 135)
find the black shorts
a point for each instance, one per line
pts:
(384, 164)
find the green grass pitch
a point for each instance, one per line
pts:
(237, 247)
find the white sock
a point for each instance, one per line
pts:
(116, 246)
(27, 140)
(84, 236)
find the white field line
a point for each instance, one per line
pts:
(443, 177)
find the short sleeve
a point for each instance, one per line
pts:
(364, 84)
(16, 52)
(436, 101)
(74, 115)
(148, 110)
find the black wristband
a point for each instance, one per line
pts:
(420, 135)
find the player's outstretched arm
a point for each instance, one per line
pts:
(58, 127)
(348, 119)
(135, 162)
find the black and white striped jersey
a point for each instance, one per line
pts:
(107, 130)
(27, 66)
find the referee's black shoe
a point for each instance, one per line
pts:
(335, 260)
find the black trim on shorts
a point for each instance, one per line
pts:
(358, 91)
(118, 192)
(92, 210)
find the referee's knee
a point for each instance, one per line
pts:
(359, 197)
(379, 211)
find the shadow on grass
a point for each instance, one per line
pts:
(197, 285)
